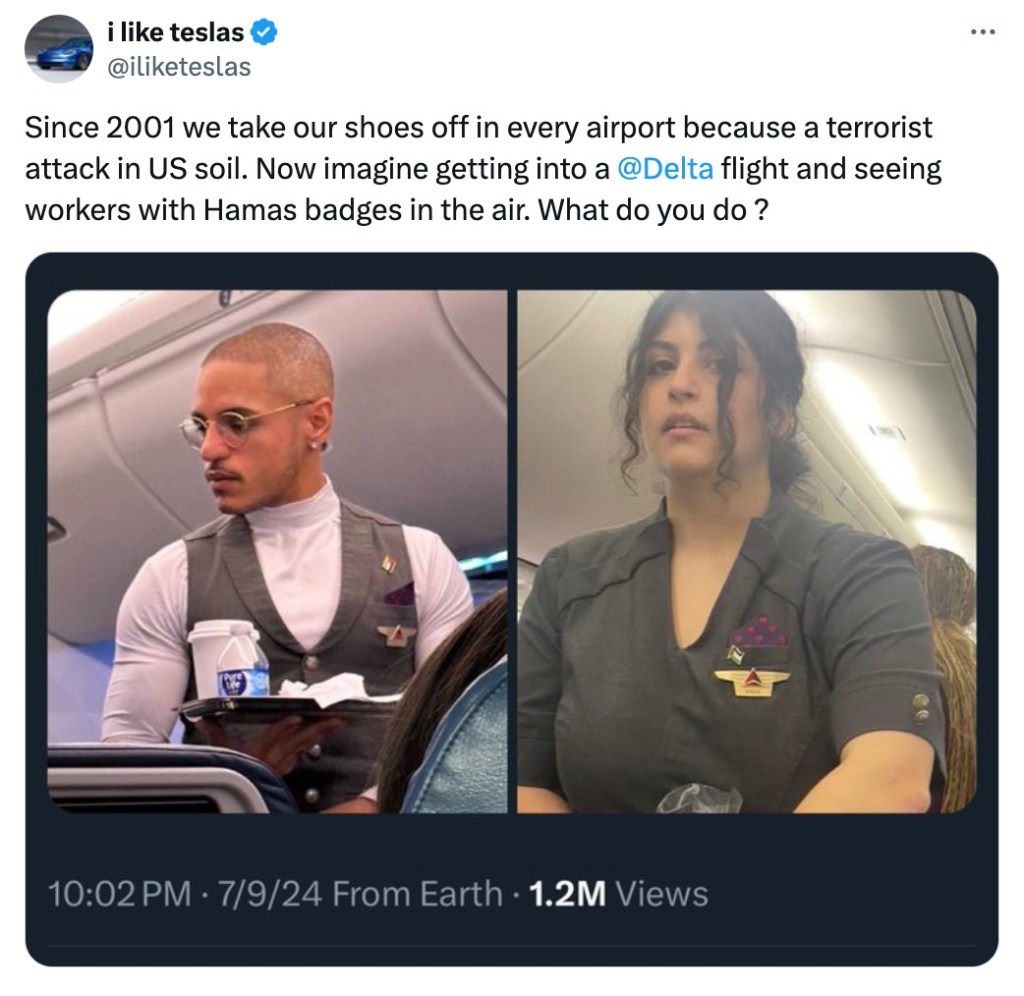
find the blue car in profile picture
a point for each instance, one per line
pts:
(75, 53)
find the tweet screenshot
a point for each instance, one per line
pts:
(459, 439)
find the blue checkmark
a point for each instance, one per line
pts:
(263, 31)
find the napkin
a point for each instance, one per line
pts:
(344, 687)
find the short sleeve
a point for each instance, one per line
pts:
(539, 678)
(874, 631)
(443, 597)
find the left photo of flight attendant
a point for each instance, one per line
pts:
(349, 451)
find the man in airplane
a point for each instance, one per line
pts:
(330, 587)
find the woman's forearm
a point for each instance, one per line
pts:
(880, 772)
(538, 800)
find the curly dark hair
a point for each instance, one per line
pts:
(723, 315)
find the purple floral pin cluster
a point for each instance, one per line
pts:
(759, 631)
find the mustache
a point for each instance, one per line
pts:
(214, 473)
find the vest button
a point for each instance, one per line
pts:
(315, 752)
(312, 796)
(310, 662)
(921, 717)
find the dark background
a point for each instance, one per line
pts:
(814, 890)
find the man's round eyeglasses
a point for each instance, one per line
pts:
(232, 427)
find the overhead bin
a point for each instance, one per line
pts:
(111, 520)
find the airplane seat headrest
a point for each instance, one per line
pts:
(465, 767)
(105, 766)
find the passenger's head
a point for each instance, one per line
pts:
(712, 384)
(478, 644)
(949, 584)
(261, 416)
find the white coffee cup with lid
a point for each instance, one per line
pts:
(227, 659)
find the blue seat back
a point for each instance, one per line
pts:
(465, 768)
(149, 776)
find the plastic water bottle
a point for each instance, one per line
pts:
(243, 669)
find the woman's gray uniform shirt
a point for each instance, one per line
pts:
(613, 714)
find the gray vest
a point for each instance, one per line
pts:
(225, 582)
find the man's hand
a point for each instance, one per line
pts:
(279, 745)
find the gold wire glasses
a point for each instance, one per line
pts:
(232, 427)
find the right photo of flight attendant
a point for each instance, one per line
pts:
(732, 639)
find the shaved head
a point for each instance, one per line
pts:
(297, 364)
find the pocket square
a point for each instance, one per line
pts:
(406, 595)
(758, 631)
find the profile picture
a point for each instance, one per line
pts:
(58, 48)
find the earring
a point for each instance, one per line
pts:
(314, 446)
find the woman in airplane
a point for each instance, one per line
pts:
(478, 644)
(732, 639)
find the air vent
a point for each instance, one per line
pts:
(54, 530)
(887, 431)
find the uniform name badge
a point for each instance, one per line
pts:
(750, 683)
(753, 684)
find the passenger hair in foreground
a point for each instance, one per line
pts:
(478, 644)
(951, 589)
